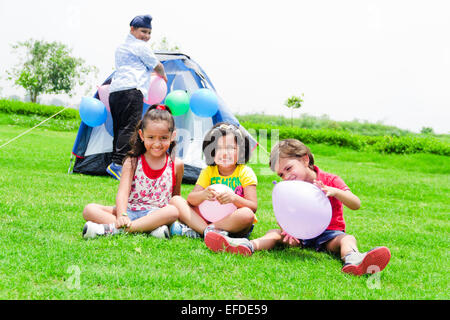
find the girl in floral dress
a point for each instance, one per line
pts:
(150, 177)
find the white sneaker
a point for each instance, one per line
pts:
(180, 229)
(92, 230)
(161, 232)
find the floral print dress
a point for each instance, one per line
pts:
(151, 189)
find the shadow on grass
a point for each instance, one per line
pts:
(297, 254)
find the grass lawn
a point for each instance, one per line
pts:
(405, 206)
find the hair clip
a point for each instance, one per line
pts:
(232, 128)
(161, 107)
(225, 126)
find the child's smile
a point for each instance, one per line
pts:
(156, 137)
(143, 34)
(294, 169)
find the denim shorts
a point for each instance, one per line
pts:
(319, 242)
(242, 234)
(133, 215)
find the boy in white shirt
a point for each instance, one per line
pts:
(135, 61)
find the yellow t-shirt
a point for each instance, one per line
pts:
(243, 176)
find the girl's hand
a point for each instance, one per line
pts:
(123, 222)
(329, 191)
(290, 240)
(209, 193)
(226, 197)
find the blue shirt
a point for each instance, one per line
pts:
(134, 64)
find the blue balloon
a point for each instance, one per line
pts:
(204, 103)
(92, 111)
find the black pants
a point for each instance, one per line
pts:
(126, 111)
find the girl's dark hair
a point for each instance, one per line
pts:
(222, 129)
(290, 148)
(157, 112)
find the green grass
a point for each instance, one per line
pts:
(56, 124)
(405, 207)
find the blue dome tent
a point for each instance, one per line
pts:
(92, 150)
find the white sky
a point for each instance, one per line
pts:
(384, 60)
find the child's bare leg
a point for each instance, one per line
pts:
(99, 214)
(268, 241)
(240, 220)
(187, 214)
(163, 216)
(342, 244)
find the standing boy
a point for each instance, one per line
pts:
(135, 61)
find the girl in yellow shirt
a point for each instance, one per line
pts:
(227, 150)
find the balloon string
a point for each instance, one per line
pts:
(22, 134)
(260, 146)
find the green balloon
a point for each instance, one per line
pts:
(178, 102)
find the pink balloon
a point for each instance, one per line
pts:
(214, 211)
(157, 90)
(301, 209)
(103, 93)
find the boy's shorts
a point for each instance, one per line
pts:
(319, 242)
(133, 215)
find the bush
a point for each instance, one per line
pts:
(410, 144)
(324, 122)
(343, 138)
(29, 108)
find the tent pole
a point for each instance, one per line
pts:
(70, 170)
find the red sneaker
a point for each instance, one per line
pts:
(372, 261)
(219, 243)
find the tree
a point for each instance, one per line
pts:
(165, 46)
(427, 130)
(292, 103)
(47, 68)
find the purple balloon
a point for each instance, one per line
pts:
(301, 209)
